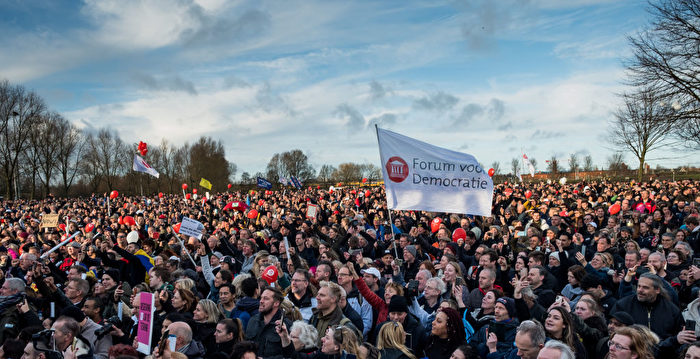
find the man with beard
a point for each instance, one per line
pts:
(301, 295)
(261, 327)
(651, 307)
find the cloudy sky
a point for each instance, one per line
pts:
(484, 77)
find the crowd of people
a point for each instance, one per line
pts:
(584, 270)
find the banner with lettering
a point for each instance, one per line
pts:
(421, 176)
(144, 332)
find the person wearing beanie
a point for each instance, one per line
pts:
(503, 327)
(410, 265)
(87, 330)
(415, 331)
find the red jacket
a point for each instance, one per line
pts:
(377, 303)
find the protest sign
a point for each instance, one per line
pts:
(192, 228)
(421, 176)
(312, 211)
(144, 333)
(49, 221)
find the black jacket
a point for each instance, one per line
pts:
(264, 334)
(661, 316)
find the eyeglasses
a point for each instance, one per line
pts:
(617, 346)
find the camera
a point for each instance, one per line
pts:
(411, 289)
(110, 323)
(43, 342)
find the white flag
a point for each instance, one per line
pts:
(420, 176)
(141, 166)
(528, 164)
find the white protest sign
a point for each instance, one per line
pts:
(312, 211)
(192, 228)
(420, 176)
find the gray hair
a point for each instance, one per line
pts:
(534, 329)
(527, 292)
(657, 282)
(426, 273)
(662, 257)
(687, 248)
(237, 284)
(16, 285)
(308, 335)
(564, 350)
(439, 284)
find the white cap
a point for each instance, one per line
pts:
(132, 237)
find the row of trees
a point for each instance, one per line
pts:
(663, 107)
(41, 152)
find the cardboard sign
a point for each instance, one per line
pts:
(49, 221)
(144, 333)
(312, 211)
(192, 228)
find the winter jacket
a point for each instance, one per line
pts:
(306, 304)
(508, 328)
(415, 333)
(245, 308)
(662, 316)
(362, 307)
(204, 333)
(265, 335)
(194, 350)
(377, 303)
(391, 353)
(437, 348)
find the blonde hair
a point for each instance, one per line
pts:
(237, 284)
(348, 340)
(185, 283)
(641, 343)
(393, 336)
(212, 310)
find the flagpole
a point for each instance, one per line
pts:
(391, 222)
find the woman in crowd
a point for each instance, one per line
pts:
(504, 325)
(559, 326)
(299, 341)
(589, 324)
(390, 342)
(446, 335)
(629, 342)
(184, 302)
(573, 290)
(479, 317)
(454, 282)
(206, 314)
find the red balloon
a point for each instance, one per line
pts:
(120, 220)
(129, 221)
(435, 224)
(252, 214)
(62, 227)
(160, 194)
(339, 184)
(144, 151)
(353, 192)
(364, 180)
(614, 209)
(184, 186)
(177, 228)
(126, 205)
(113, 194)
(528, 194)
(318, 187)
(188, 196)
(261, 202)
(270, 274)
(368, 193)
(492, 172)
(89, 227)
(229, 186)
(194, 191)
(459, 233)
(508, 191)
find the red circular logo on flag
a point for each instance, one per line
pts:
(397, 169)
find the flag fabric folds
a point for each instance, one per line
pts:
(204, 183)
(421, 176)
(295, 181)
(527, 164)
(263, 183)
(141, 166)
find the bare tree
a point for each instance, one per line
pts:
(70, 147)
(107, 158)
(371, 171)
(20, 111)
(641, 125)
(666, 56)
(496, 167)
(290, 163)
(553, 165)
(515, 166)
(588, 163)
(325, 174)
(348, 172)
(616, 162)
(573, 162)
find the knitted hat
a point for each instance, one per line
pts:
(509, 303)
(114, 274)
(398, 303)
(73, 312)
(411, 249)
